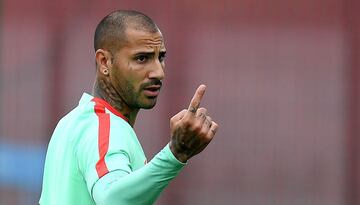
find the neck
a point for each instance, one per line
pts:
(104, 90)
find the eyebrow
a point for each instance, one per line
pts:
(150, 52)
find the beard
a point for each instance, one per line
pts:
(135, 99)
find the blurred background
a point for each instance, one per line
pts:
(283, 82)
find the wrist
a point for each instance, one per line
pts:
(177, 152)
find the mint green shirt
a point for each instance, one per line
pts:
(94, 157)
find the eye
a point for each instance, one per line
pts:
(141, 58)
(162, 57)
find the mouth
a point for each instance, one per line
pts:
(152, 91)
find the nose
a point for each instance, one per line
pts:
(157, 71)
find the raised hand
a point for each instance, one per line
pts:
(192, 129)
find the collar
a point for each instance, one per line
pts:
(87, 98)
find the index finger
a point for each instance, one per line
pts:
(195, 101)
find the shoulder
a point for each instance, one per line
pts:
(121, 134)
(119, 125)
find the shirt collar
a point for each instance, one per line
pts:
(87, 98)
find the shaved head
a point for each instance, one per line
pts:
(110, 34)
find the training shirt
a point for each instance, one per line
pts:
(94, 157)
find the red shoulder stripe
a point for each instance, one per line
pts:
(109, 107)
(103, 137)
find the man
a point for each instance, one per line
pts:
(94, 156)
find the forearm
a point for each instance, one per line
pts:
(142, 186)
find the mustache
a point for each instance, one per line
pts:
(151, 82)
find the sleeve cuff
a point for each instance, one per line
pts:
(172, 157)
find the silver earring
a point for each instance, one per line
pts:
(106, 72)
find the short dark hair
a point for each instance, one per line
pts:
(110, 32)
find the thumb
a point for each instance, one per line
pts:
(178, 116)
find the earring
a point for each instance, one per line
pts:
(106, 72)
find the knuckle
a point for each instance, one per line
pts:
(197, 127)
(187, 123)
(209, 138)
(173, 123)
(172, 119)
(186, 118)
(204, 133)
(202, 110)
(209, 119)
(204, 129)
(202, 115)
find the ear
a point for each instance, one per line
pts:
(103, 61)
